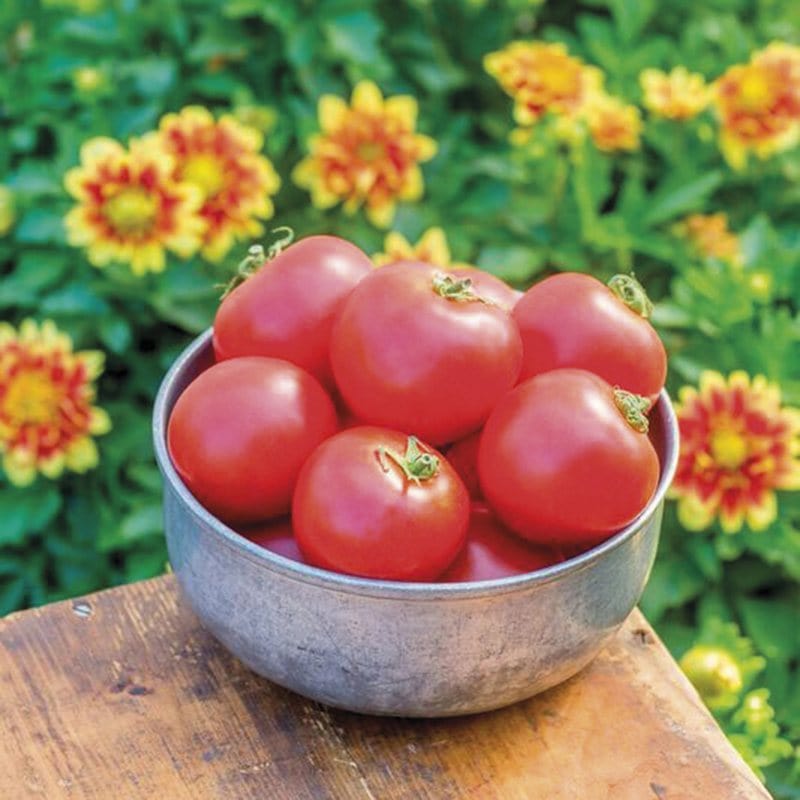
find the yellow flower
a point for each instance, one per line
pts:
(710, 236)
(677, 95)
(432, 248)
(221, 159)
(542, 78)
(738, 445)
(367, 153)
(129, 208)
(759, 104)
(613, 125)
(8, 215)
(46, 393)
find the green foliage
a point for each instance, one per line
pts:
(518, 211)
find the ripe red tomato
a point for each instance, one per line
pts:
(574, 320)
(560, 463)
(286, 309)
(492, 551)
(276, 535)
(414, 350)
(463, 458)
(375, 503)
(240, 432)
(489, 286)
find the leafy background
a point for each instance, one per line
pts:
(519, 212)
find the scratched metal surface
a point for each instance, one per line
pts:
(421, 650)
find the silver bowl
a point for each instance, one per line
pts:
(403, 649)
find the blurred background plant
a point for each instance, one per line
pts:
(145, 144)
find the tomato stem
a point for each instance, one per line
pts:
(632, 293)
(256, 258)
(416, 464)
(634, 408)
(460, 290)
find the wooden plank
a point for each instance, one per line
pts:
(123, 695)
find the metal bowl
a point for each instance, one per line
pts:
(404, 649)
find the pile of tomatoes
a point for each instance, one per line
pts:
(414, 424)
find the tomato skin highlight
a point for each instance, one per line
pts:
(240, 432)
(492, 551)
(575, 320)
(357, 513)
(276, 535)
(286, 309)
(559, 463)
(406, 358)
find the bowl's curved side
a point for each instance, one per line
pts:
(417, 657)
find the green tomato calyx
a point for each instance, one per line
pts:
(256, 258)
(459, 290)
(417, 464)
(632, 293)
(634, 408)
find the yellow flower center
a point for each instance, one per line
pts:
(370, 151)
(205, 172)
(728, 449)
(755, 91)
(31, 399)
(558, 78)
(132, 211)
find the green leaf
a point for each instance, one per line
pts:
(75, 299)
(772, 625)
(41, 226)
(672, 200)
(355, 37)
(152, 76)
(142, 522)
(630, 16)
(115, 333)
(514, 263)
(24, 512)
(12, 594)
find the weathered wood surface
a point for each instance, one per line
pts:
(123, 695)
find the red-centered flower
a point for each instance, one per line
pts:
(129, 207)
(738, 445)
(542, 77)
(221, 159)
(759, 104)
(47, 417)
(367, 153)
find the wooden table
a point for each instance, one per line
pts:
(123, 695)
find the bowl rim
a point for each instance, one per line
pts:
(384, 588)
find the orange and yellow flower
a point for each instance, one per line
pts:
(710, 237)
(678, 95)
(129, 208)
(367, 153)
(738, 445)
(431, 248)
(541, 78)
(613, 124)
(759, 104)
(46, 394)
(221, 159)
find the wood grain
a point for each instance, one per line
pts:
(123, 695)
